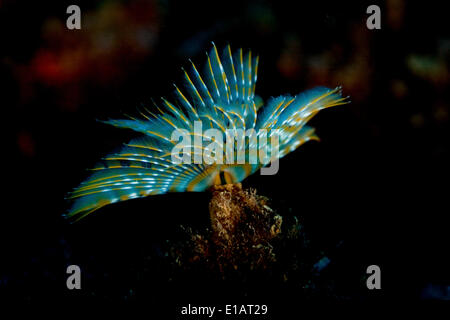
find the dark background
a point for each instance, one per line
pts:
(377, 183)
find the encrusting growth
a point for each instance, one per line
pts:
(243, 229)
(243, 225)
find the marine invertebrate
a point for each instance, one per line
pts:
(222, 98)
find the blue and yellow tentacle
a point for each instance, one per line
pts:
(221, 97)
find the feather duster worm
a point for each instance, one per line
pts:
(222, 97)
